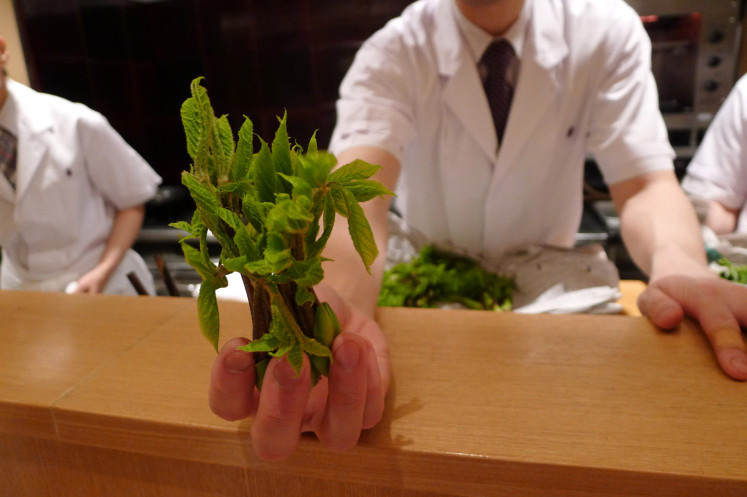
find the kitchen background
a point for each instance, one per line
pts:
(133, 61)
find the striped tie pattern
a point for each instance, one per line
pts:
(497, 60)
(8, 155)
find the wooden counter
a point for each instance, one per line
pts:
(106, 396)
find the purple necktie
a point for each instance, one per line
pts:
(497, 60)
(8, 155)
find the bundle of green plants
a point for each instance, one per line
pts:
(272, 211)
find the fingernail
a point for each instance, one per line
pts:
(237, 361)
(348, 355)
(739, 363)
(285, 375)
(734, 362)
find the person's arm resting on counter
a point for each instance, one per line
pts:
(661, 232)
(720, 218)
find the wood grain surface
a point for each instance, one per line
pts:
(104, 395)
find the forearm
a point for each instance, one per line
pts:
(659, 225)
(126, 226)
(347, 274)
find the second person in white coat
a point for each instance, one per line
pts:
(70, 214)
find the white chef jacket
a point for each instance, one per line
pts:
(584, 87)
(74, 171)
(718, 171)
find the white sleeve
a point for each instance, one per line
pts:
(719, 169)
(628, 136)
(115, 168)
(376, 101)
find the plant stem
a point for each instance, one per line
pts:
(259, 306)
(304, 314)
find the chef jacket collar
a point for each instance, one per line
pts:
(35, 118)
(9, 112)
(542, 31)
(477, 40)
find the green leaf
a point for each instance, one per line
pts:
(222, 147)
(244, 151)
(317, 246)
(276, 257)
(192, 125)
(317, 209)
(267, 343)
(357, 169)
(204, 251)
(182, 225)
(264, 174)
(277, 260)
(295, 358)
(246, 244)
(338, 198)
(283, 349)
(206, 200)
(312, 148)
(242, 237)
(195, 259)
(281, 148)
(313, 347)
(304, 295)
(300, 187)
(230, 218)
(358, 227)
(197, 117)
(192, 231)
(288, 216)
(284, 326)
(308, 272)
(236, 264)
(210, 210)
(315, 169)
(192, 114)
(240, 188)
(207, 309)
(365, 189)
(256, 212)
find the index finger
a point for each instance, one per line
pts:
(231, 392)
(282, 404)
(719, 307)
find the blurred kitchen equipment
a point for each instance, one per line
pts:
(695, 61)
(168, 280)
(170, 203)
(139, 288)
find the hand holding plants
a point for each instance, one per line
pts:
(336, 409)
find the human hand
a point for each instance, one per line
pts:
(719, 306)
(93, 281)
(336, 409)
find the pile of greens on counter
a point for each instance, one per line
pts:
(733, 272)
(437, 277)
